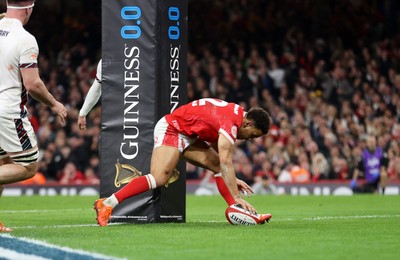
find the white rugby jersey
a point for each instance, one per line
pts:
(93, 94)
(18, 49)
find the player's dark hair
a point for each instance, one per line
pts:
(260, 118)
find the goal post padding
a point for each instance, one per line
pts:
(144, 51)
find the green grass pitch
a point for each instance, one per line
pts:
(302, 227)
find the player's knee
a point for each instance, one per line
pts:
(161, 178)
(161, 182)
(27, 159)
(31, 170)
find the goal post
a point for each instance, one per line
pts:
(144, 76)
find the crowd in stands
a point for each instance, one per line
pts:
(327, 71)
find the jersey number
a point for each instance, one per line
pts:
(215, 102)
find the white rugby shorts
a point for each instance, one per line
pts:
(166, 135)
(18, 137)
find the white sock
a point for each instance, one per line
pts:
(111, 201)
(151, 181)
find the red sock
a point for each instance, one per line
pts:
(224, 191)
(134, 187)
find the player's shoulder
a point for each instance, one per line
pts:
(21, 32)
(14, 25)
(24, 37)
(18, 36)
(27, 36)
(28, 41)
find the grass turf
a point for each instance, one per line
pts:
(302, 227)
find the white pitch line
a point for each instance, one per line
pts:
(351, 217)
(56, 226)
(88, 225)
(65, 226)
(315, 218)
(319, 218)
(44, 210)
(335, 217)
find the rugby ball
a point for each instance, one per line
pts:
(236, 215)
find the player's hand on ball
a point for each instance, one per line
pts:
(245, 205)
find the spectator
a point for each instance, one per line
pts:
(319, 164)
(71, 175)
(264, 180)
(373, 165)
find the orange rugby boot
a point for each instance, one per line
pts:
(4, 229)
(103, 212)
(264, 218)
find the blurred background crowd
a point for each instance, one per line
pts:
(327, 71)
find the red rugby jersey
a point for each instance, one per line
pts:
(206, 118)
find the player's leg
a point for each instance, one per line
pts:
(163, 162)
(1, 186)
(2, 227)
(202, 155)
(12, 172)
(1, 192)
(164, 159)
(18, 153)
(18, 150)
(3, 161)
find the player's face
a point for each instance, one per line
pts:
(248, 133)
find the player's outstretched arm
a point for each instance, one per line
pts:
(36, 89)
(225, 148)
(91, 99)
